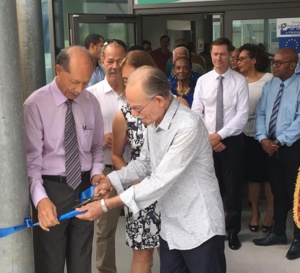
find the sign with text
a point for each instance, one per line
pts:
(288, 27)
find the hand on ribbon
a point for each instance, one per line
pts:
(10, 230)
(94, 209)
(47, 214)
(48, 210)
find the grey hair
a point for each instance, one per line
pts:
(116, 42)
(154, 81)
(187, 53)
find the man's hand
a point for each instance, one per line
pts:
(108, 140)
(104, 187)
(214, 139)
(268, 146)
(219, 147)
(47, 214)
(94, 211)
(97, 178)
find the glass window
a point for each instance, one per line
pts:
(63, 7)
(217, 26)
(122, 31)
(255, 31)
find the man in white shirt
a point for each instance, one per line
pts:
(176, 168)
(225, 124)
(109, 93)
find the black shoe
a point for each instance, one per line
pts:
(234, 242)
(266, 229)
(294, 251)
(271, 239)
(253, 228)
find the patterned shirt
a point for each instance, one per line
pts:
(176, 168)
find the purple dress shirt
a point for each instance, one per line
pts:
(44, 114)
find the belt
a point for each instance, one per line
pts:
(60, 179)
(112, 167)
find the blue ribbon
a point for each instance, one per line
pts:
(88, 193)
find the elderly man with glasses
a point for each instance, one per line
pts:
(176, 169)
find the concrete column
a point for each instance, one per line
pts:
(31, 45)
(16, 254)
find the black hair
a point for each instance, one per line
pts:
(260, 55)
(92, 39)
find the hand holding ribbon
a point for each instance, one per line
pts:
(94, 210)
(10, 230)
(88, 193)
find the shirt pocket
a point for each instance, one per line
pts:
(87, 137)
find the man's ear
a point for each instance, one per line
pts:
(58, 69)
(293, 66)
(160, 99)
(92, 46)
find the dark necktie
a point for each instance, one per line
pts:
(219, 109)
(272, 124)
(73, 169)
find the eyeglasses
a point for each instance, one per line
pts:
(234, 58)
(142, 108)
(242, 59)
(280, 63)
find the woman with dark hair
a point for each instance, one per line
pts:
(253, 62)
(142, 230)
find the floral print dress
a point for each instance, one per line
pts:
(142, 229)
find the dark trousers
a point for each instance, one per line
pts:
(206, 258)
(69, 242)
(229, 167)
(283, 169)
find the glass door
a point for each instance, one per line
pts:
(124, 27)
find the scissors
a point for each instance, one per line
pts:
(89, 200)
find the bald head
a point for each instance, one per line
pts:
(73, 54)
(74, 68)
(288, 53)
(148, 94)
(284, 63)
(152, 80)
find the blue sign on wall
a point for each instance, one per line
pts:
(292, 42)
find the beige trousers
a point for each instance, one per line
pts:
(105, 235)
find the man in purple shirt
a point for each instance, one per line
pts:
(45, 110)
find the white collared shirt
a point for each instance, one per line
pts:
(110, 103)
(235, 99)
(176, 168)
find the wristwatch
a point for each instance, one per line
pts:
(277, 142)
(103, 206)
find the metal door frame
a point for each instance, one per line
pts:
(74, 19)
